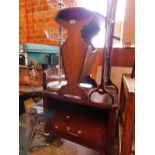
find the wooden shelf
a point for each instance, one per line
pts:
(55, 95)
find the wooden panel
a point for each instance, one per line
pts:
(121, 57)
(86, 127)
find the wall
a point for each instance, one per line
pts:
(34, 17)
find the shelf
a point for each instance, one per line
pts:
(54, 95)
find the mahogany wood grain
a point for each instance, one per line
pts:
(73, 50)
(48, 95)
(95, 121)
(85, 132)
(121, 57)
(111, 129)
(81, 25)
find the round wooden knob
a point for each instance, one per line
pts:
(68, 128)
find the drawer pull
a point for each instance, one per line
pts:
(56, 127)
(79, 132)
(74, 134)
(68, 128)
(67, 116)
(46, 134)
(71, 133)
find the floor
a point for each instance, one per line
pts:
(67, 148)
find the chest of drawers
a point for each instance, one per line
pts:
(83, 122)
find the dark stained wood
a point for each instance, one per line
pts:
(81, 121)
(48, 95)
(74, 49)
(123, 57)
(111, 129)
(74, 116)
(87, 143)
(88, 126)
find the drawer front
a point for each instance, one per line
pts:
(84, 132)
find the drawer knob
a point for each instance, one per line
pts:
(56, 126)
(67, 116)
(79, 132)
(68, 128)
